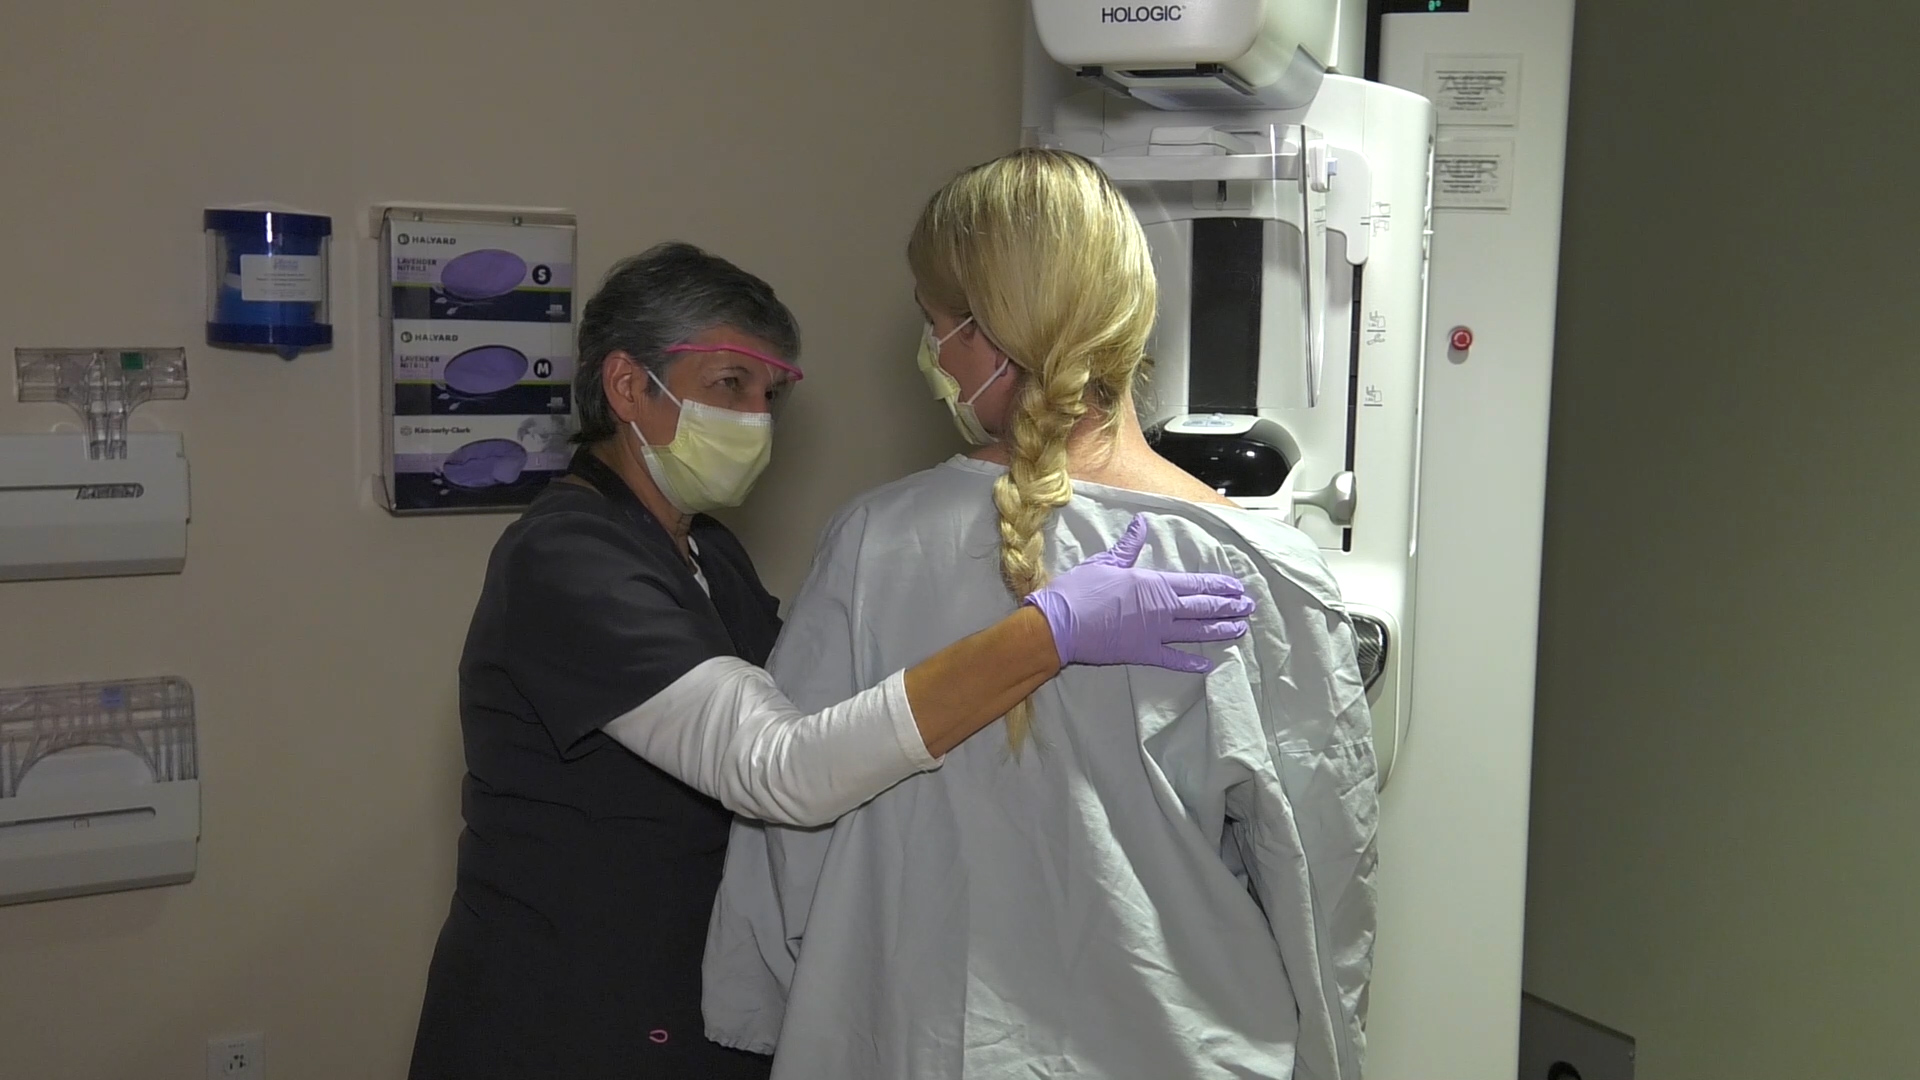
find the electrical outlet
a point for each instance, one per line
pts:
(237, 1057)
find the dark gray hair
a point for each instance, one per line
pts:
(661, 297)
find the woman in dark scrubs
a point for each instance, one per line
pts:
(615, 717)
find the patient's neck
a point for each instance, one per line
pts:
(1122, 459)
(1094, 452)
(1090, 448)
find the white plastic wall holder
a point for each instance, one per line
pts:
(103, 385)
(99, 788)
(103, 503)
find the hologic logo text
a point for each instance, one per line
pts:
(1144, 13)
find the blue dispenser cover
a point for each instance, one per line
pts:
(296, 318)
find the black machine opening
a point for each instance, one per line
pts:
(1223, 358)
(1233, 465)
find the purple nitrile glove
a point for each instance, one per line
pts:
(1104, 611)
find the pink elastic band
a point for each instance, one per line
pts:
(760, 356)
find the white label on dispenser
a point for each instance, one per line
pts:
(281, 279)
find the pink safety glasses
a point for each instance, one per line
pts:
(760, 356)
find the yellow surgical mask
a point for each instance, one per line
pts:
(946, 388)
(714, 458)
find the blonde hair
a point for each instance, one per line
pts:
(1045, 254)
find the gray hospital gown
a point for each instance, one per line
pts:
(1174, 879)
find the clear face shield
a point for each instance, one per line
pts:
(786, 374)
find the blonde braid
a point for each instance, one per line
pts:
(1035, 484)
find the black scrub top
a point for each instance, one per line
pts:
(586, 876)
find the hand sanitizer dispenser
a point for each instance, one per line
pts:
(267, 280)
(99, 788)
(104, 501)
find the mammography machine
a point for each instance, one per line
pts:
(1354, 215)
(1287, 353)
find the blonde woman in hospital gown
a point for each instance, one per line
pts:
(1187, 895)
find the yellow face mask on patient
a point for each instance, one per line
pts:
(947, 389)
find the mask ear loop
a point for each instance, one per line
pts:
(663, 389)
(1005, 363)
(1006, 359)
(677, 403)
(940, 342)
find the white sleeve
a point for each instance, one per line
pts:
(727, 731)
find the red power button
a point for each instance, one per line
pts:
(1461, 339)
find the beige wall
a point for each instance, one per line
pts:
(1727, 772)
(319, 634)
